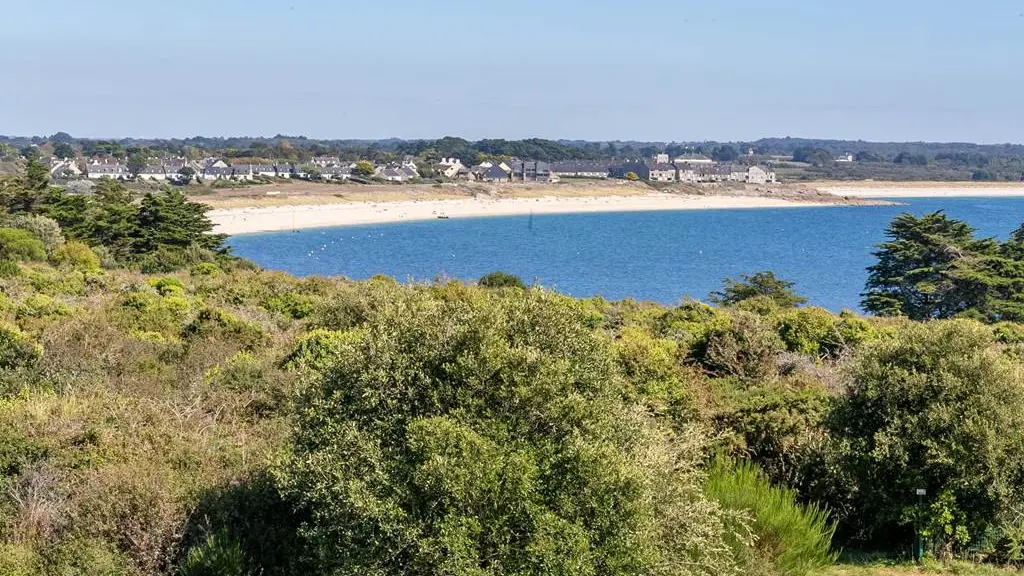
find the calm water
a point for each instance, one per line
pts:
(660, 256)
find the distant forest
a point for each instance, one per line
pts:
(796, 158)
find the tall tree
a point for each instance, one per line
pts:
(63, 150)
(168, 219)
(137, 162)
(931, 267)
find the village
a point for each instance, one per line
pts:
(693, 168)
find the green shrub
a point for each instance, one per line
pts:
(810, 331)
(940, 407)
(320, 349)
(9, 269)
(501, 280)
(140, 311)
(42, 306)
(20, 246)
(778, 428)
(106, 257)
(691, 323)
(291, 304)
(790, 538)
(492, 431)
(46, 230)
(761, 305)
(75, 255)
(17, 350)
(215, 324)
(167, 286)
(205, 269)
(746, 348)
(219, 555)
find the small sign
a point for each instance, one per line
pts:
(921, 491)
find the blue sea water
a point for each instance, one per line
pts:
(659, 256)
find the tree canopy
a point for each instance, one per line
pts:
(760, 284)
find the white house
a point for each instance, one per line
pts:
(242, 172)
(153, 172)
(758, 175)
(449, 167)
(115, 171)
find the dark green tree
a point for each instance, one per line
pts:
(136, 162)
(63, 151)
(761, 284)
(169, 220)
(724, 153)
(30, 153)
(931, 267)
(501, 280)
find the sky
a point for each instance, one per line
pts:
(893, 70)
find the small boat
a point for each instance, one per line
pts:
(442, 217)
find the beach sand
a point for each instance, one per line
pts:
(279, 218)
(922, 189)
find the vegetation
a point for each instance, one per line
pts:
(934, 267)
(166, 409)
(501, 280)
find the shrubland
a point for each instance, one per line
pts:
(167, 409)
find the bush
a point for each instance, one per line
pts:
(20, 246)
(938, 407)
(480, 431)
(217, 324)
(691, 323)
(205, 269)
(42, 306)
(75, 255)
(218, 556)
(792, 539)
(167, 286)
(778, 428)
(811, 331)
(9, 269)
(17, 350)
(320, 349)
(746, 348)
(46, 230)
(501, 280)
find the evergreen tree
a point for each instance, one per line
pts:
(932, 267)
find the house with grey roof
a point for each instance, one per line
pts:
(283, 170)
(242, 172)
(493, 173)
(581, 169)
(116, 171)
(155, 172)
(650, 171)
(217, 173)
(336, 173)
(264, 171)
(533, 171)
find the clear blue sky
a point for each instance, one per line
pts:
(596, 69)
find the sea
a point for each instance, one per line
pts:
(657, 256)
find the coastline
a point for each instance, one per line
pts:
(868, 189)
(251, 220)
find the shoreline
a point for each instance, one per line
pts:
(870, 189)
(235, 221)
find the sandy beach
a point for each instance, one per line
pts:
(922, 189)
(278, 218)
